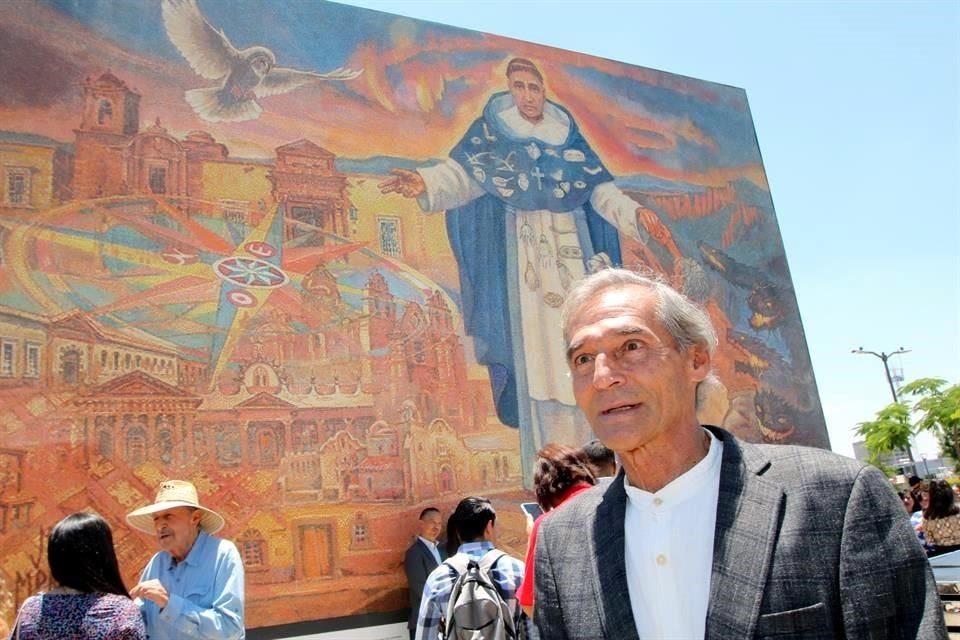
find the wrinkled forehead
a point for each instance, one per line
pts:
(183, 512)
(612, 306)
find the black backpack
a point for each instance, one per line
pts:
(477, 610)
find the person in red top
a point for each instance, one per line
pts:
(561, 472)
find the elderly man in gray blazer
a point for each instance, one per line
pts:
(701, 535)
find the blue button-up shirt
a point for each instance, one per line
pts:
(205, 593)
(507, 573)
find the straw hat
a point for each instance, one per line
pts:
(172, 494)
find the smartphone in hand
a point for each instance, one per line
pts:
(532, 509)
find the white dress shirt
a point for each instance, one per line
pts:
(433, 548)
(668, 549)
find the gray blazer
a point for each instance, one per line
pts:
(808, 544)
(417, 563)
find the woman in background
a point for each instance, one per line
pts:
(90, 601)
(911, 502)
(561, 472)
(451, 543)
(941, 517)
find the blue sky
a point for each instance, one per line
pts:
(857, 114)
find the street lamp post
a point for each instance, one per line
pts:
(893, 390)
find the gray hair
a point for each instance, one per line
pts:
(688, 324)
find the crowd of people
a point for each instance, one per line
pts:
(697, 535)
(561, 472)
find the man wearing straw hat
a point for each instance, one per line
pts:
(193, 587)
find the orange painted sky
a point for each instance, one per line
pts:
(415, 98)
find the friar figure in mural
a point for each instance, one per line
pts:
(530, 209)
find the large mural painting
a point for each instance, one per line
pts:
(311, 257)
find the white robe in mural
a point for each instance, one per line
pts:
(545, 257)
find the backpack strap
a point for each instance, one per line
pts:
(490, 559)
(487, 563)
(458, 562)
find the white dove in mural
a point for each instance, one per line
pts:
(246, 74)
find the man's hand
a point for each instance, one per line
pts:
(409, 184)
(151, 590)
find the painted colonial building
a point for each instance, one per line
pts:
(35, 172)
(339, 406)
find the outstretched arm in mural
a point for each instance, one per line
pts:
(409, 184)
(447, 185)
(525, 181)
(442, 187)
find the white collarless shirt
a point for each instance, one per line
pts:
(668, 550)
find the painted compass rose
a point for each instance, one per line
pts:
(250, 272)
(191, 279)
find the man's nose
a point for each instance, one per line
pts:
(605, 372)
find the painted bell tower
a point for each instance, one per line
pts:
(110, 117)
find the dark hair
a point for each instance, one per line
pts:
(452, 544)
(428, 510)
(915, 496)
(941, 500)
(558, 468)
(471, 517)
(599, 455)
(522, 64)
(81, 556)
(913, 481)
(914, 500)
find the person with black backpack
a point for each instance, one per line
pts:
(472, 594)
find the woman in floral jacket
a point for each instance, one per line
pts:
(941, 517)
(89, 601)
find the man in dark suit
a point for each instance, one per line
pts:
(701, 535)
(422, 557)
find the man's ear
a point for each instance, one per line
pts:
(700, 362)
